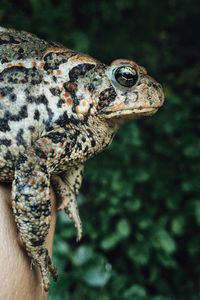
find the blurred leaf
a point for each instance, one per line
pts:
(97, 276)
(123, 228)
(110, 241)
(178, 225)
(135, 292)
(162, 240)
(81, 255)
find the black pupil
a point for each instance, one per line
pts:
(126, 76)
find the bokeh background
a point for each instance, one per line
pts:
(140, 199)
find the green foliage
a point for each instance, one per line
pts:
(140, 200)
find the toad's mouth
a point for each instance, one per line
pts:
(132, 112)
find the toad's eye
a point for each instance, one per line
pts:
(126, 76)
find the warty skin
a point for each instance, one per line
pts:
(58, 108)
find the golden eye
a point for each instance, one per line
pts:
(126, 76)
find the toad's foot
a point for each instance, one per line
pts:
(42, 259)
(72, 212)
(67, 202)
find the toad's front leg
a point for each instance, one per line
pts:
(32, 210)
(31, 201)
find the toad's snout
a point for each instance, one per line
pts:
(157, 92)
(152, 92)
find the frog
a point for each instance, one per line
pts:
(59, 108)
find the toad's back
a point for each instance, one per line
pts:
(20, 45)
(19, 76)
(26, 92)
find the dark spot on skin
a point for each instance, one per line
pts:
(91, 87)
(86, 149)
(57, 137)
(79, 71)
(90, 133)
(21, 160)
(35, 76)
(48, 123)
(46, 206)
(21, 50)
(106, 97)
(22, 114)
(36, 115)
(19, 138)
(70, 135)
(21, 75)
(41, 99)
(4, 125)
(36, 243)
(14, 75)
(44, 170)
(93, 143)
(33, 230)
(12, 97)
(5, 91)
(8, 156)
(40, 153)
(54, 78)
(31, 128)
(35, 207)
(46, 213)
(5, 142)
(63, 120)
(79, 122)
(4, 60)
(79, 146)
(60, 102)
(53, 60)
(55, 92)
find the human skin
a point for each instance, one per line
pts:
(18, 278)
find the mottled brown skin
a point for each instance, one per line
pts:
(57, 109)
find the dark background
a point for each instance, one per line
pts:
(140, 200)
